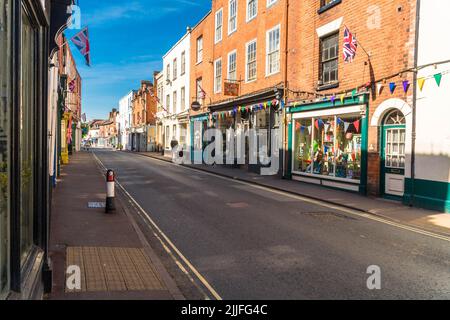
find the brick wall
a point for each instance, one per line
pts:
(266, 19)
(386, 31)
(202, 69)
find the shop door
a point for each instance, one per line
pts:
(393, 155)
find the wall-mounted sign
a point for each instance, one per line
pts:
(231, 89)
(195, 106)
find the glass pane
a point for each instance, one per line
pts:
(302, 145)
(388, 161)
(348, 147)
(5, 46)
(27, 106)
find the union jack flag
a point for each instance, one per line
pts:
(350, 46)
(72, 85)
(81, 41)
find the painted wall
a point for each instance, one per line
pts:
(175, 85)
(433, 105)
(125, 114)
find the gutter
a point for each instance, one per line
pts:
(414, 105)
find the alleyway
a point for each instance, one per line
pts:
(248, 242)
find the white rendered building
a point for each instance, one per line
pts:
(176, 90)
(125, 114)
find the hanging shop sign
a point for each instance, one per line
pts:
(231, 89)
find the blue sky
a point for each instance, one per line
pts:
(128, 40)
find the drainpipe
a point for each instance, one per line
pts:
(414, 115)
(285, 92)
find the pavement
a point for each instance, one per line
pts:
(114, 259)
(429, 220)
(249, 242)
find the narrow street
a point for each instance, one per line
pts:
(251, 243)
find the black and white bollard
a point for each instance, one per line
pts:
(110, 194)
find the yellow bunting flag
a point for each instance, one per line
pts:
(342, 98)
(421, 82)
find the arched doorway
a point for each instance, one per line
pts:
(393, 154)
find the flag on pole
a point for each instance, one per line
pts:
(350, 46)
(72, 85)
(81, 41)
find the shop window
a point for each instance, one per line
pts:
(328, 146)
(27, 136)
(5, 46)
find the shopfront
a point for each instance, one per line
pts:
(198, 126)
(24, 158)
(328, 143)
(260, 112)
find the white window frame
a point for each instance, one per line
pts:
(278, 27)
(228, 64)
(216, 89)
(248, 18)
(199, 52)
(175, 69)
(230, 30)
(271, 3)
(247, 80)
(183, 63)
(168, 72)
(183, 98)
(174, 101)
(218, 37)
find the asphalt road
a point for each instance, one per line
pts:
(250, 243)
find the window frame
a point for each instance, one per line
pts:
(268, 73)
(230, 30)
(247, 45)
(216, 26)
(248, 18)
(183, 63)
(322, 62)
(174, 69)
(174, 101)
(231, 53)
(216, 84)
(183, 98)
(199, 50)
(271, 3)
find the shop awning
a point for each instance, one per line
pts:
(254, 97)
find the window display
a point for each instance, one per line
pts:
(328, 146)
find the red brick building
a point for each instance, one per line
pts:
(347, 129)
(241, 67)
(143, 128)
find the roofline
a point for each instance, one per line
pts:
(201, 20)
(176, 44)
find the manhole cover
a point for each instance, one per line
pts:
(94, 205)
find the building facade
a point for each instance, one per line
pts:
(348, 114)
(248, 68)
(125, 116)
(428, 184)
(144, 118)
(201, 82)
(29, 88)
(176, 79)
